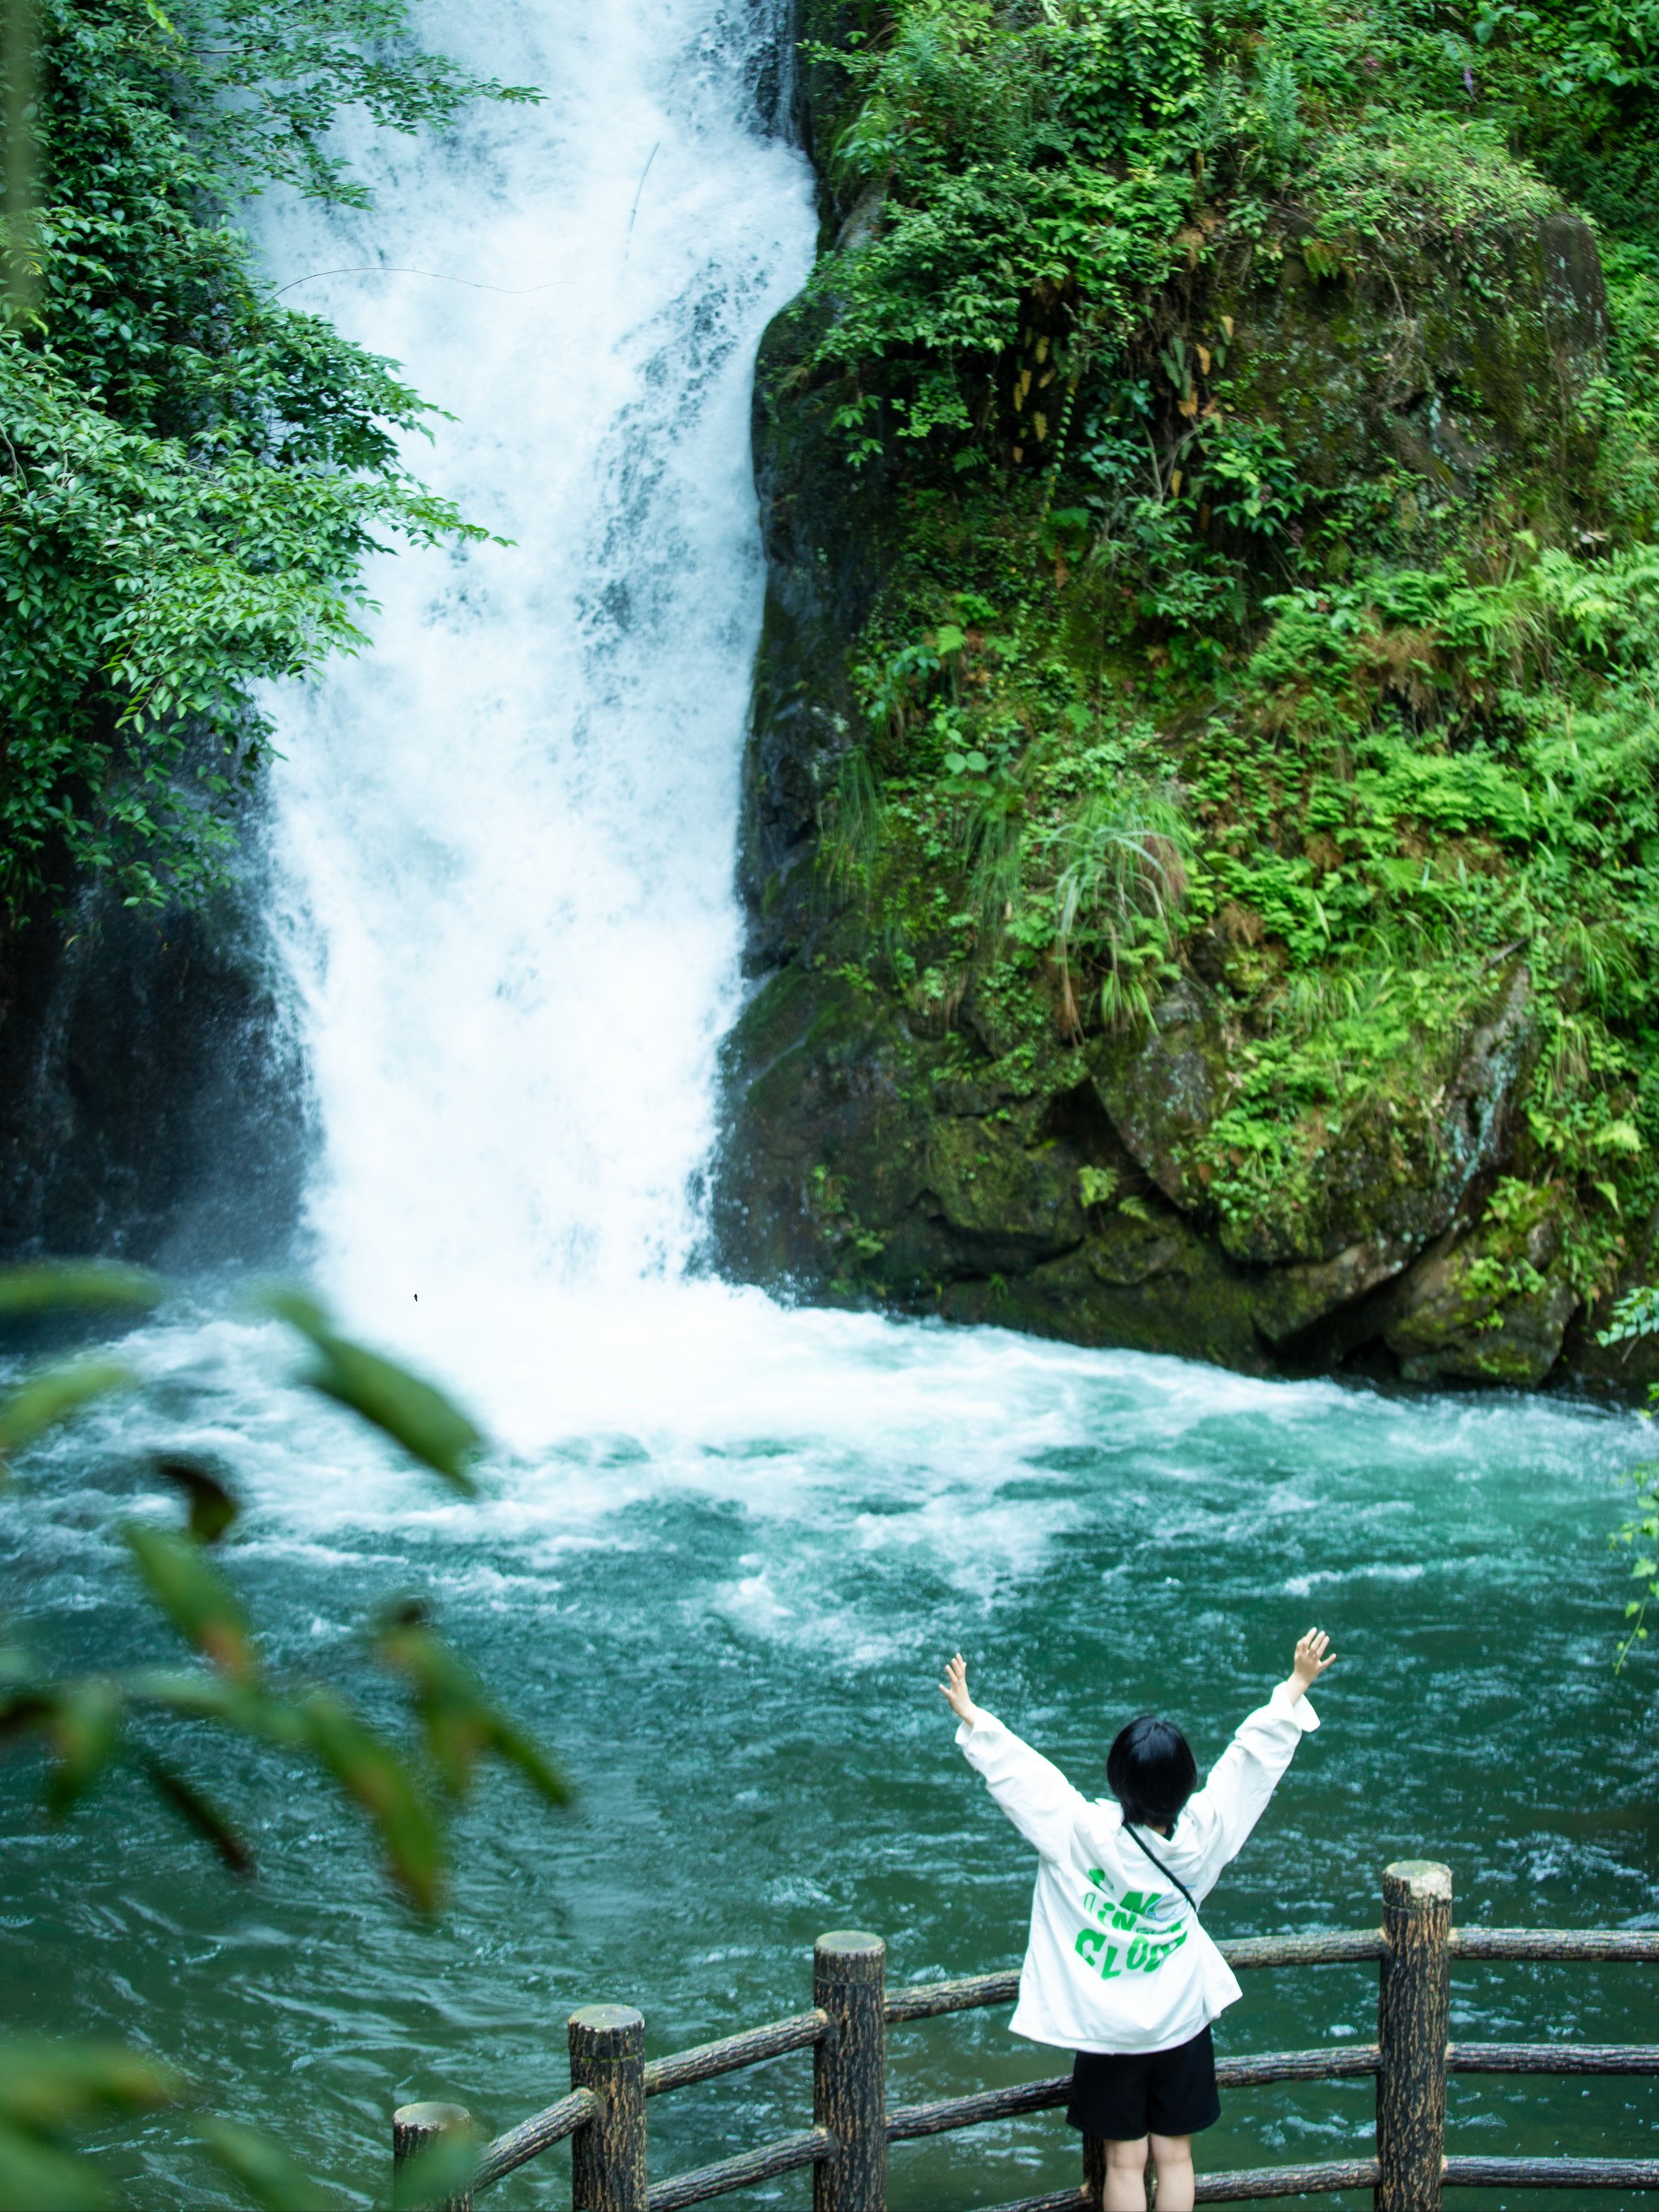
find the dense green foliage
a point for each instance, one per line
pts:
(1272, 601)
(1636, 1317)
(192, 473)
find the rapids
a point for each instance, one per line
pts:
(723, 1547)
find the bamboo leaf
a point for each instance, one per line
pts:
(441, 2171)
(212, 1508)
(51, 1396)
(46, 2085)
(240, 1706)
(458, 1720)
(84, 1729)
(370, 1771)
(51, 1285)
(195, 1597)
(273, 2179)
(37, 2177)
(412, 1411)
(201, 1813)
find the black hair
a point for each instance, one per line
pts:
(1152, 1771)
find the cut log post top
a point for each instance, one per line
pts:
(418, 2128)
(849, 2071)
(607, 2056)
(1413, 2013)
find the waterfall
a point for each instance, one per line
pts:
(502, 839)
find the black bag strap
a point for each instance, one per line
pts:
(1159, 1865)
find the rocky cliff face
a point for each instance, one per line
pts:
(921, 1117)
(151, 1100)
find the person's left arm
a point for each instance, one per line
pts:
(1243, 1778)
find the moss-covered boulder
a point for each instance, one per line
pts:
(1495, 1305)
(1205, 777)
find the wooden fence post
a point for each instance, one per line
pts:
(1413, 2010)
(607, 2154)
(416, 2128)
(1094, 2170)
(849, 2071)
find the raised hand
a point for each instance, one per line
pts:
(1313, 1656)
(954, 1690)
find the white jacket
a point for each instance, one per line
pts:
(1116, 1960)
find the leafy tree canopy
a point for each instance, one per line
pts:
(191, 474)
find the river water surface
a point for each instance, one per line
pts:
(723, 1548)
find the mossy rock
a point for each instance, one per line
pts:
(917, 1119)
(1493, 1308)
(1413, 368)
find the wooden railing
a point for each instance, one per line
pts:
(846, 2030)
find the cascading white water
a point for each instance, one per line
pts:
(504, 837)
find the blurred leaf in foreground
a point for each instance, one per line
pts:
(200, 1813)
(83, 1728)
(195, 1597)
(428, 1425)
(271, 2177)
(460, 1722)
(48, 1398)
(212, 1508)
(36, 2177)
(370, 1770)
(437, 2174)
(57, 1285)
(52, 2084)
(46, 2089)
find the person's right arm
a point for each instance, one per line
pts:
(1030, 1789)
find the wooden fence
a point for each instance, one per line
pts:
(846, 2030)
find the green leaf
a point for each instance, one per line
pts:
(46, 2087)
(273, 2179)
(437, 2174)
(370, 1771)
(201, 1813)
(243, 1706)
(212, 1508)
(49, 1286)
(48, 2084)
(34, 2176)
(428, 1425)
(48, 1398)
(195, 1597)
(84, 1730)
(460, 1722)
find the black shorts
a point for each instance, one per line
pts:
(1123, 2094)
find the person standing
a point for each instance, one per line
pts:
(1118, 1967)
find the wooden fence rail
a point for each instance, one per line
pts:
(604, 2117)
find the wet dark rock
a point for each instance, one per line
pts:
(151, 1100)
